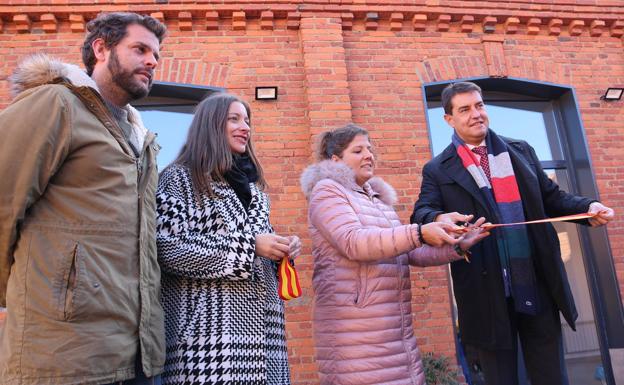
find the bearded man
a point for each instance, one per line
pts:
(78, 269)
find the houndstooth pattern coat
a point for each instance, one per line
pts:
(224, 320)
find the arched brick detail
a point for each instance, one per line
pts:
(193, 72)
(540, 70)
(533, 68)
(448, 68)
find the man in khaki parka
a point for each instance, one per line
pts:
(78, 268)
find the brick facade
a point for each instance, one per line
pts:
(363, 61)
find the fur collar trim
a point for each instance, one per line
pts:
(343, 174)
(40, 69)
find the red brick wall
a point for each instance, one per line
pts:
(340, 61)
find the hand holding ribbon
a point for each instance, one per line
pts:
(603, 213)
(472, 233)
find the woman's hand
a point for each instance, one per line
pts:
(440, 233)
(474, 234)
(294, 247)
(273, 246)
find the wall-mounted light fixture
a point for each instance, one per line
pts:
(612, 94)
(266, 93)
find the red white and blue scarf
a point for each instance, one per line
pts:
(503, 198)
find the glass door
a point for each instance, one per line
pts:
(582, 350)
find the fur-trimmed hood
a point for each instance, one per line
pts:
(343, 174)
(39, 69)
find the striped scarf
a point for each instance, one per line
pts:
(503, 198)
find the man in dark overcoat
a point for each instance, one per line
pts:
(515, 284)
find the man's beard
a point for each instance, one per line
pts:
(125, 79)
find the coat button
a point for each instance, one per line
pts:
(484, 272)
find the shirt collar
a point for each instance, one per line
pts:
(471, 146)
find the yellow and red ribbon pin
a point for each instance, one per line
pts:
(288, 281)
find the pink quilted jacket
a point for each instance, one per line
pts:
(362, 313)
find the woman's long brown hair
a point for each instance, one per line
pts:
(206, 151)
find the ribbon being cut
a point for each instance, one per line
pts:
(557, 219)
(490, 226)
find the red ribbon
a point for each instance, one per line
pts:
(558, 219)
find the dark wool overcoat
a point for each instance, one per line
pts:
(482, 307)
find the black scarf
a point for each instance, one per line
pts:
(242, 173)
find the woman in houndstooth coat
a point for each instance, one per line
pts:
(224, 320)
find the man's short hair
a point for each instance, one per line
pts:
(112, 28)
(454, 89)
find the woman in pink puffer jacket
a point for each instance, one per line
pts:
(362, 314)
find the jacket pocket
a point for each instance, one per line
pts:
(72, 282)
(361, 286)
(67, 284)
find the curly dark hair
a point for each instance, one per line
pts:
(112, 28)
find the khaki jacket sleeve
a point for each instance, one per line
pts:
(35, 131)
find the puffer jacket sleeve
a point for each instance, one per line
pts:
(330, 212)
(433, 256)
(36, 132)
(189, 243)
